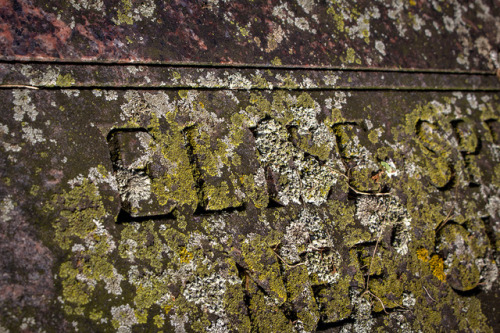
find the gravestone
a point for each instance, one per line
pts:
(215, 166)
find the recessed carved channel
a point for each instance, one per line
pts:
(131, 157)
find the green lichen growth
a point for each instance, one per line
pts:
(289, 82)
(176, 75)
(334, 118)
(219, 197)
(335, 303)
(177, 187)
(255, 193)
(65, 80)
(80, 207)
(74, 291)
(96, 315)
(337, 16)
(263, 265)
(389, 290)
(276, 61)
(260, 82)
(216, 159)
(34, 190)
(267, 317)
(143, 243)
(373, 136)
(301, 295)
(87, 269)
(461, 250)
(468, 139)
(343, 215)
(345, 139)
(124, 14)
(350, 57)
(439, 171)
(234, 304)
(155, 260)
(158, 321)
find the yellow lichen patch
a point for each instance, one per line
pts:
(289, 82)
(79, 226)
(95, 315)
(151, 289)
(337, 17)
(34, 190)
(267, 316)
(436, 264)
(439, 171)
(260, 82)
(141, 316)
(350, 57)
(102, 170)
(234, 302)
(219, 197)
(389, 290)
(185, 256)
(260, 105)
(168, 307)
(176, 75)
(423, 254)
(334, 302)
(257, 193)
(300, 292)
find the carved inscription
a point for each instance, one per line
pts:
(193, 179)
(131, 157)
(273, 165)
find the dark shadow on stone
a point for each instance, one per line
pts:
(125, 217)
(201, 211)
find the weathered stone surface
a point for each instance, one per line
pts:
(266, 167)
(181, 77)
(399, 34)
(269, 210)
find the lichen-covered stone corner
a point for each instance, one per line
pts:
(261, 211)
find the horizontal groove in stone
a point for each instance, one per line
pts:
(42, 75)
